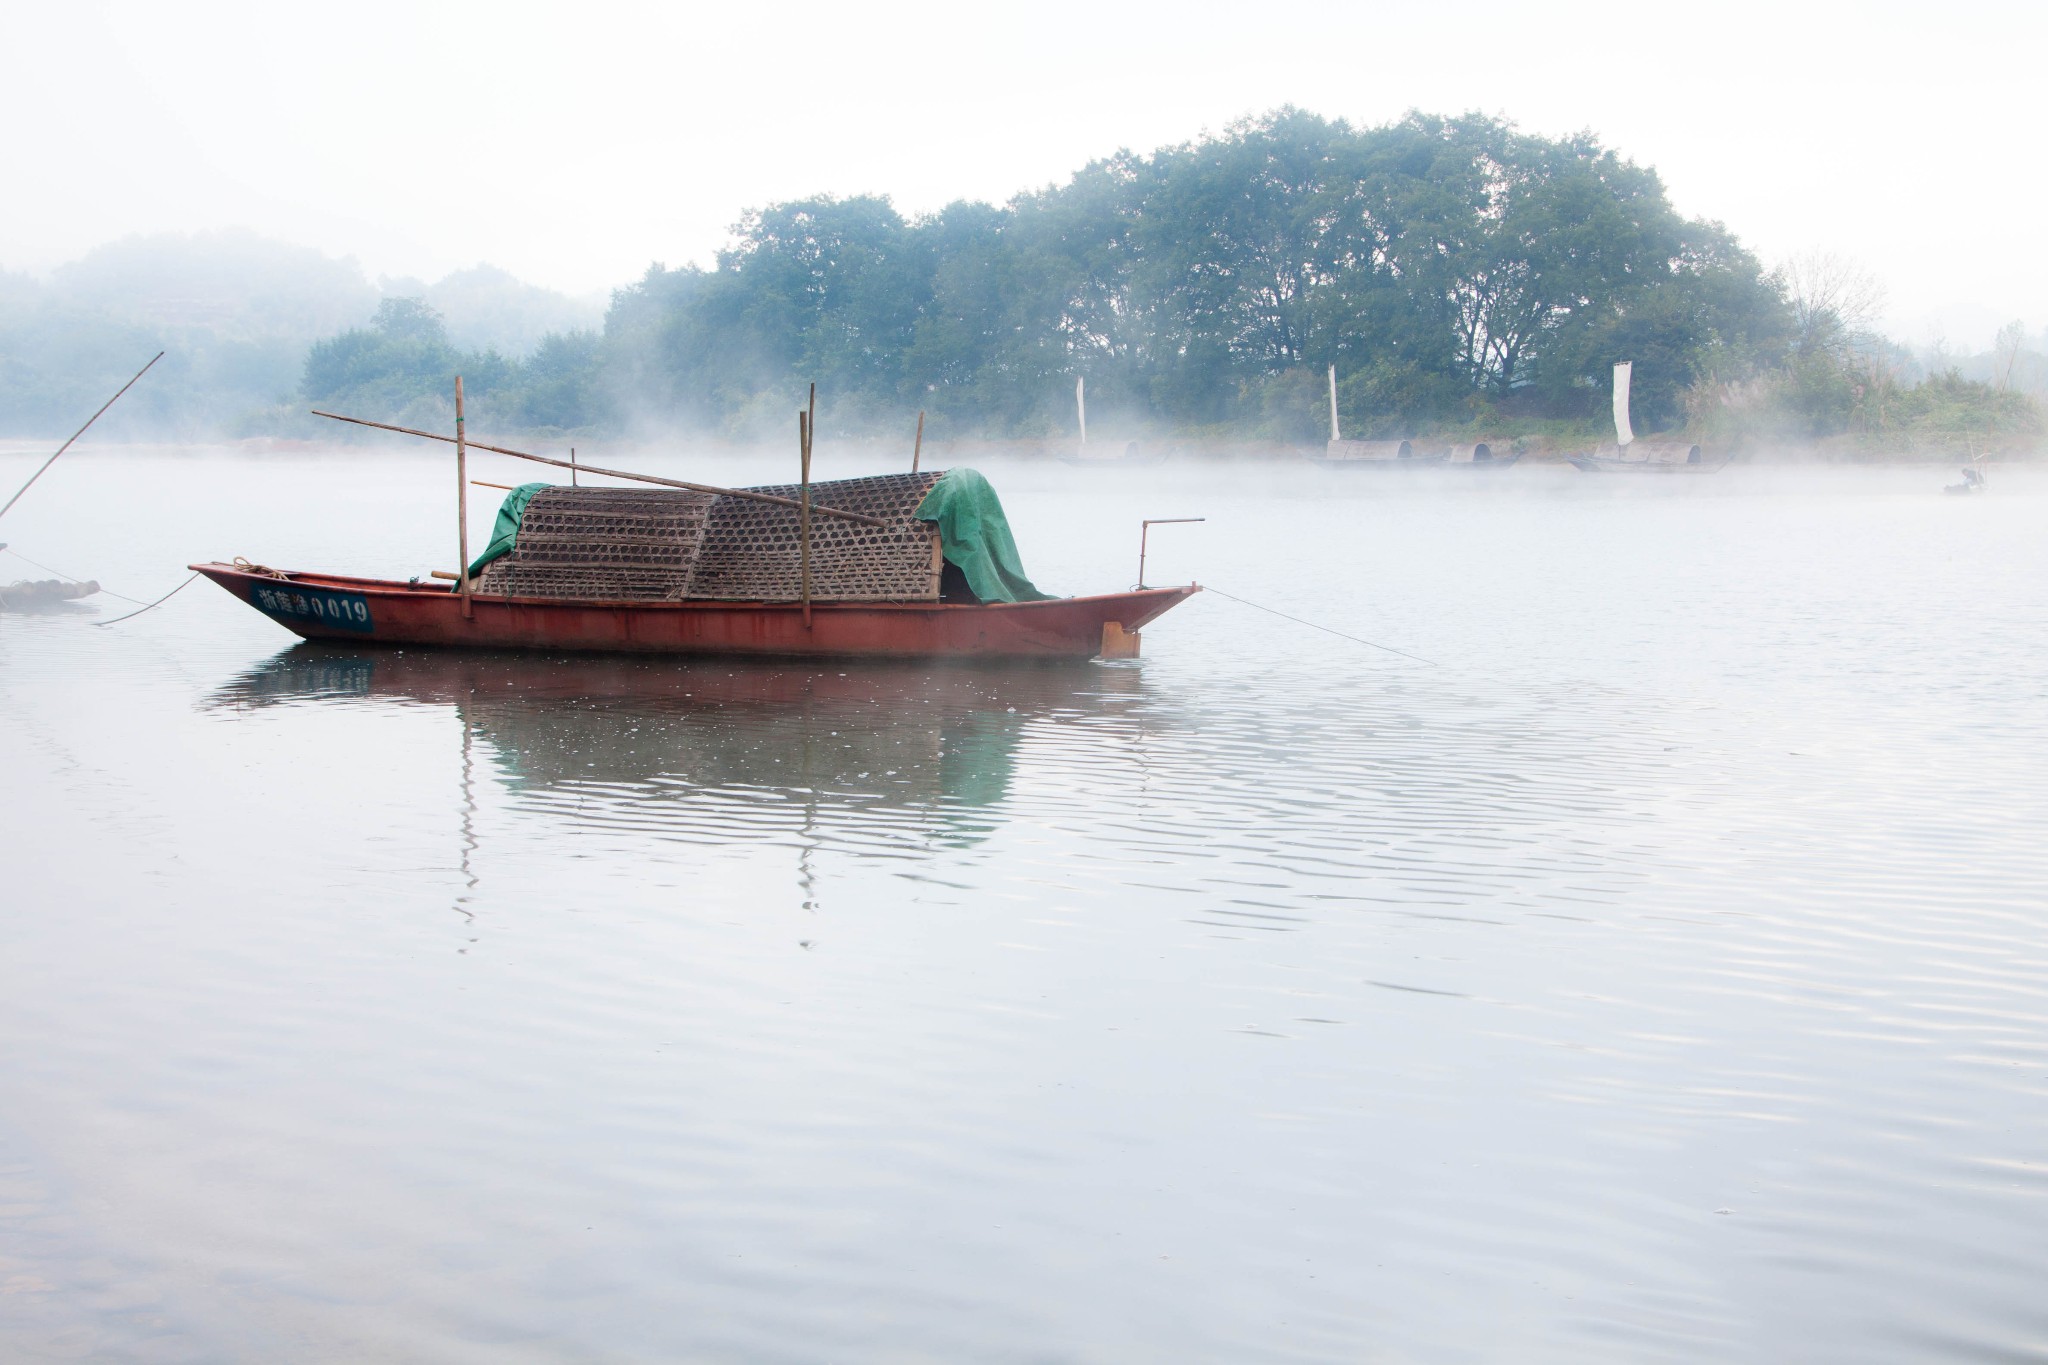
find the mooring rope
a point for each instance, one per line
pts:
(152, 606)
(1313, 626)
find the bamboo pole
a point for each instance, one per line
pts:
(462, 507)
(78, 433)
(807, 427)
(917, 449)
(572, 467)
(1145, 533)
(747, 493)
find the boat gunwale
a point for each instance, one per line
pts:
(394, 587)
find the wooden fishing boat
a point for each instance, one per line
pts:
(384, 611)
(917, 565)
(1133, 453)
(1339, 453)
(1478, 455)
(1649, 457)
(1382, 455)
(1629, 456)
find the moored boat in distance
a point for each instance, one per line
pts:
(1480, 455)
(1629, 456)
(1133, 453)
(1650, 457)
(1339, 453)
(1377, 455)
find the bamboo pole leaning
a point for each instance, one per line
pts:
(78, 433)
(807, 427)
(917, 447)
(743, 493)
(462, 509)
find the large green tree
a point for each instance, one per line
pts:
(1446, 266)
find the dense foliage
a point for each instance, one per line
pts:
(236, 315)
(1447, 267)
(1456, 271)
(402, 368)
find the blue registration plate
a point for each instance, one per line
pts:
(293, 604)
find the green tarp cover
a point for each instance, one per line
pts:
(976, 537)
(507, 529)
(972, 529)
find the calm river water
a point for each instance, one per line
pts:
(1661, 973)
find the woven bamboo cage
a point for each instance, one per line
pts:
(630, 544)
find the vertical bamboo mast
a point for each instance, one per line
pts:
(1333, 405)
(1081, 407)
(572, 466)
(917, 449)
(807, 428)
(462, 506)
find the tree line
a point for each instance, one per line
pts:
(1457, 272)
(1449, 267)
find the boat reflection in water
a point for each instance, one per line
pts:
(878, 755)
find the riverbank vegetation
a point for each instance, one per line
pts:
(1464, 278)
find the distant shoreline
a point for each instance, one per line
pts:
(1153, 454)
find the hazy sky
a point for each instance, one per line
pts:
(573, 144)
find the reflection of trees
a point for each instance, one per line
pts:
(618, 733)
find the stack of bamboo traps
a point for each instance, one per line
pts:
(661, 545)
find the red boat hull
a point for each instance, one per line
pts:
(384, 611)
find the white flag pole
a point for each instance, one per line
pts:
(1623, 433)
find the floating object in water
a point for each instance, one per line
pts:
(29, 596)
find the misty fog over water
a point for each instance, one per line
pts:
(1656, 974)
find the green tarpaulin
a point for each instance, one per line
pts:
(507, 530)
(976, 537)
(962, 504)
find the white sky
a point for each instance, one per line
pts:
(573, 144)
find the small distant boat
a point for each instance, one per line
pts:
(1630, 456)
(1649, 457)
(29, 596)
(1479, 455)
(1973, 481)
(1339, 453)
(1134, 453)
